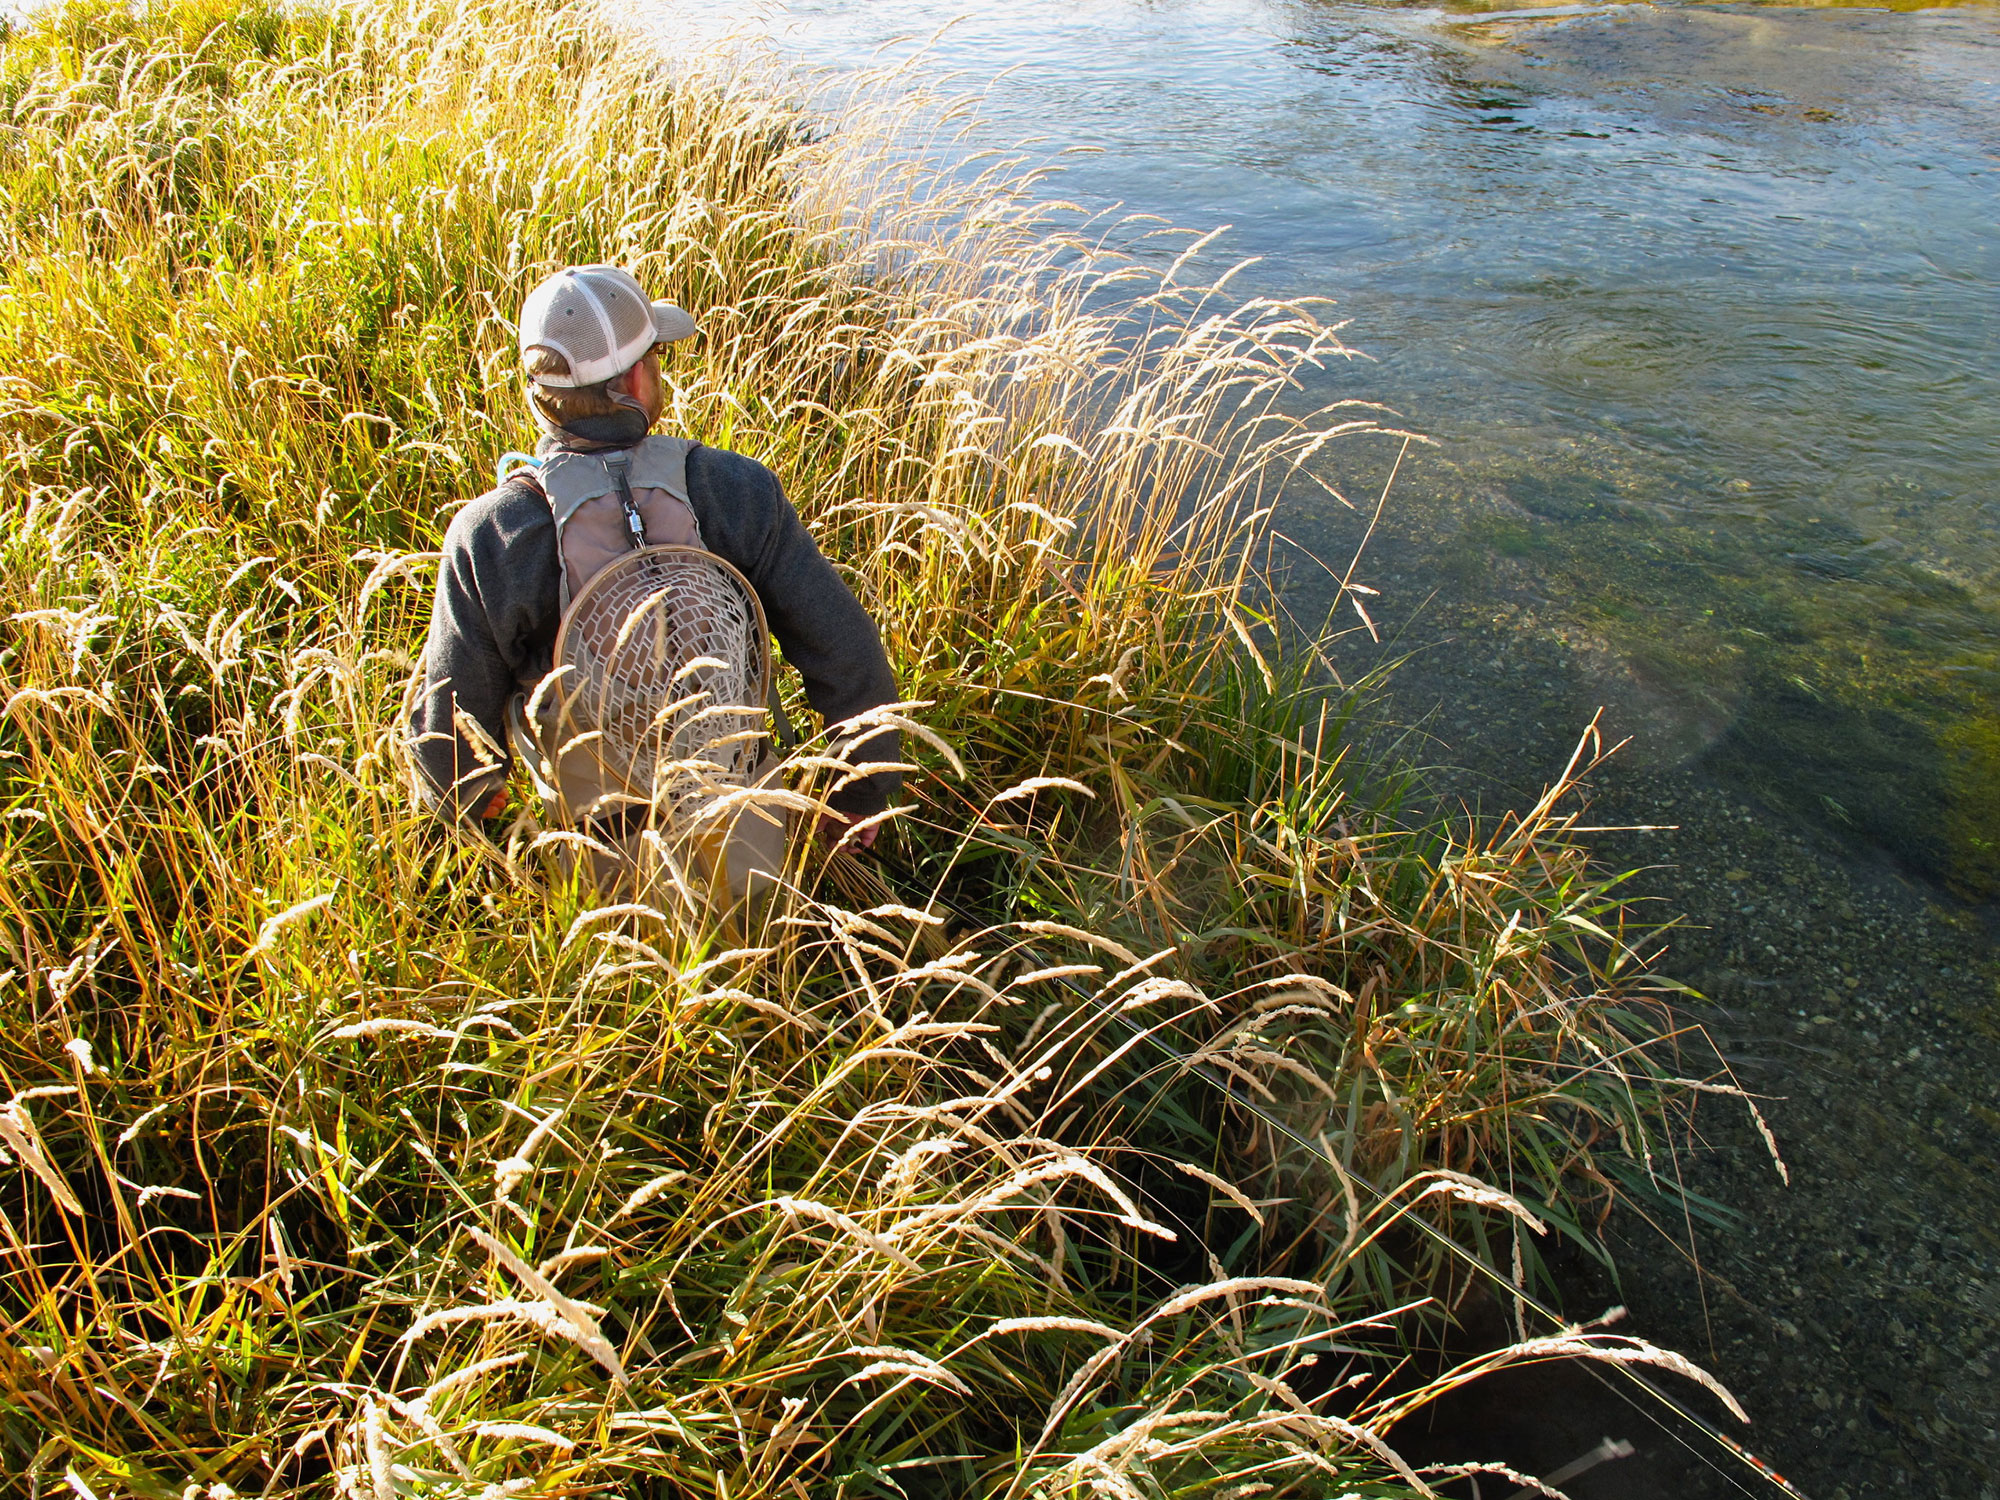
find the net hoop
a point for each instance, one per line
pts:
(664, 729)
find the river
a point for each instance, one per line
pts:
(1702, 304)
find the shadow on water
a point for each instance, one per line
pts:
(1828, 675)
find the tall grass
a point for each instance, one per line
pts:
(349, 1154)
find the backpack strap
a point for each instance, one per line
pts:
(619, 466)
(788, 737)
(527, 474)
(571, 479)
(663, 465)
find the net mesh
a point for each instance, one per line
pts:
(663, 658)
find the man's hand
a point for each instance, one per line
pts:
(830, 825)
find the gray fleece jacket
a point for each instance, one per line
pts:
(493, 624)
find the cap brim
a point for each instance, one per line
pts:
(671, 324)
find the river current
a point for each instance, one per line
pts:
(1702, 305)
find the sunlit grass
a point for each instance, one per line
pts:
(349, 1152)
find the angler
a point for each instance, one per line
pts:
(602, 614)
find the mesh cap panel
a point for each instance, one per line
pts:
(668, 663)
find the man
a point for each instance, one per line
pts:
(591, 342)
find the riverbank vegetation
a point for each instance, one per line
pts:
(1118, 1131)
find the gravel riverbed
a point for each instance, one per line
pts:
(1855, 1309)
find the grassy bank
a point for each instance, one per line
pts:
(354, 1157)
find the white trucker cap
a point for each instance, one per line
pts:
(600, 320)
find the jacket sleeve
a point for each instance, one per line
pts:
(493, 625)
(821, 627)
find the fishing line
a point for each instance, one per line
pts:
(1521, 1294)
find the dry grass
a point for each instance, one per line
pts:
(353, 1155)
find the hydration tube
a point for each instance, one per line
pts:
(512, 463)
(1519, 1294)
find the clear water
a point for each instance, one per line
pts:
(1703, 305)
(1702, 302)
